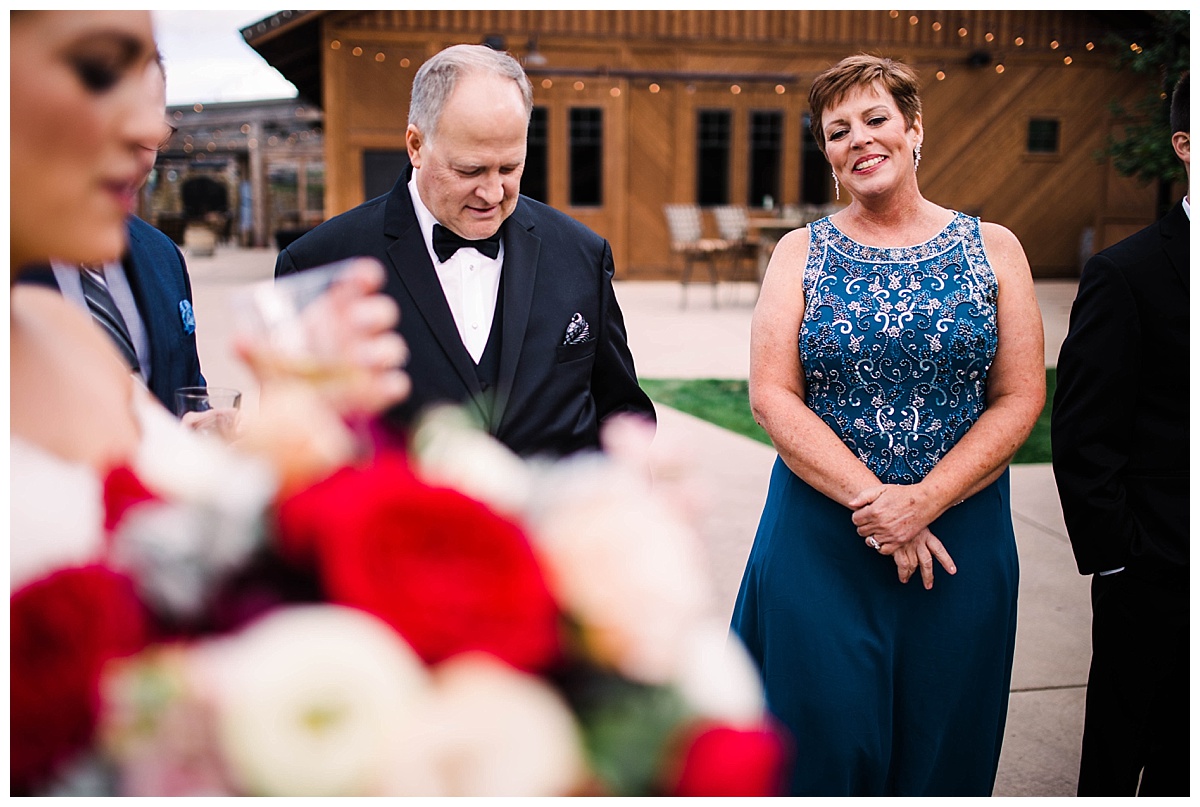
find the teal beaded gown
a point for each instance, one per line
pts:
(887, 688)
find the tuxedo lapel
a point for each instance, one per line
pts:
(1176, 240)
(519, 276)
(410, 262)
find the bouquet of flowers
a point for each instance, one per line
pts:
(439, 619)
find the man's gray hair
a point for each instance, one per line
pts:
(436, 79)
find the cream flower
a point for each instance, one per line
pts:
(625, 565)
(452, 452)
(717, 677)
(487, 729)
(309, 700)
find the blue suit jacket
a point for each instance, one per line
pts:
(159, 281)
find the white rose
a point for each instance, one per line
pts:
(451, 452)
(309, 699)
(717, 677)
(624, 563)
(487, 729)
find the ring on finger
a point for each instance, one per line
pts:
(871, 542)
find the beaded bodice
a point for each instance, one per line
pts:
(896, 343)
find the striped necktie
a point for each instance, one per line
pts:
(104, 311)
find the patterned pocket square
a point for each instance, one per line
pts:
(188, 317)
(577, 331)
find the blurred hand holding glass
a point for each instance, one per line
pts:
(327, 327)
(209, 410)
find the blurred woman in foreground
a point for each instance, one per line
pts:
(83, 104)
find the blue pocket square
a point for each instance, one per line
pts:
(577, 331)
(188, 316)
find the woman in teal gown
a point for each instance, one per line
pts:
(897, 364)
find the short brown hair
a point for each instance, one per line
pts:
(855, 72)
(1180, 120)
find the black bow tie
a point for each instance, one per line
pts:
(446, 243)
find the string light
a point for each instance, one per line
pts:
(1054, 44)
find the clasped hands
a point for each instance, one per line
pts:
(897, 517)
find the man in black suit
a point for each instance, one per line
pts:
(150, 288)
(1120, 446)
(521, 325)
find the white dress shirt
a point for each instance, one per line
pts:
(71, 287)
(470, 280)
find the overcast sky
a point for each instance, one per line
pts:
(207, 60)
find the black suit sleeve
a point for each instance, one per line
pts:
(614, 379)
(1092, 416)
(284, 264)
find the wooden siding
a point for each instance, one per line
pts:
(976, 120)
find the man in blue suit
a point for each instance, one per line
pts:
(151, 291)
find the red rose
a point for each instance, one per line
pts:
(725, 761)
(63, 629)
(122, 491)
(446, 572)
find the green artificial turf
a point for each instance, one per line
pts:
(726, 403)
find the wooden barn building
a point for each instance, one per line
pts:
(635, 110)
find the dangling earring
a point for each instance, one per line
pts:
(837, 189)
(917, 157)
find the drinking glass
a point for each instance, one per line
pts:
(290, 330)
(209, 410)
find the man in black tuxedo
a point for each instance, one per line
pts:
(149, 288)
(521, 324)
(1120, 445)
